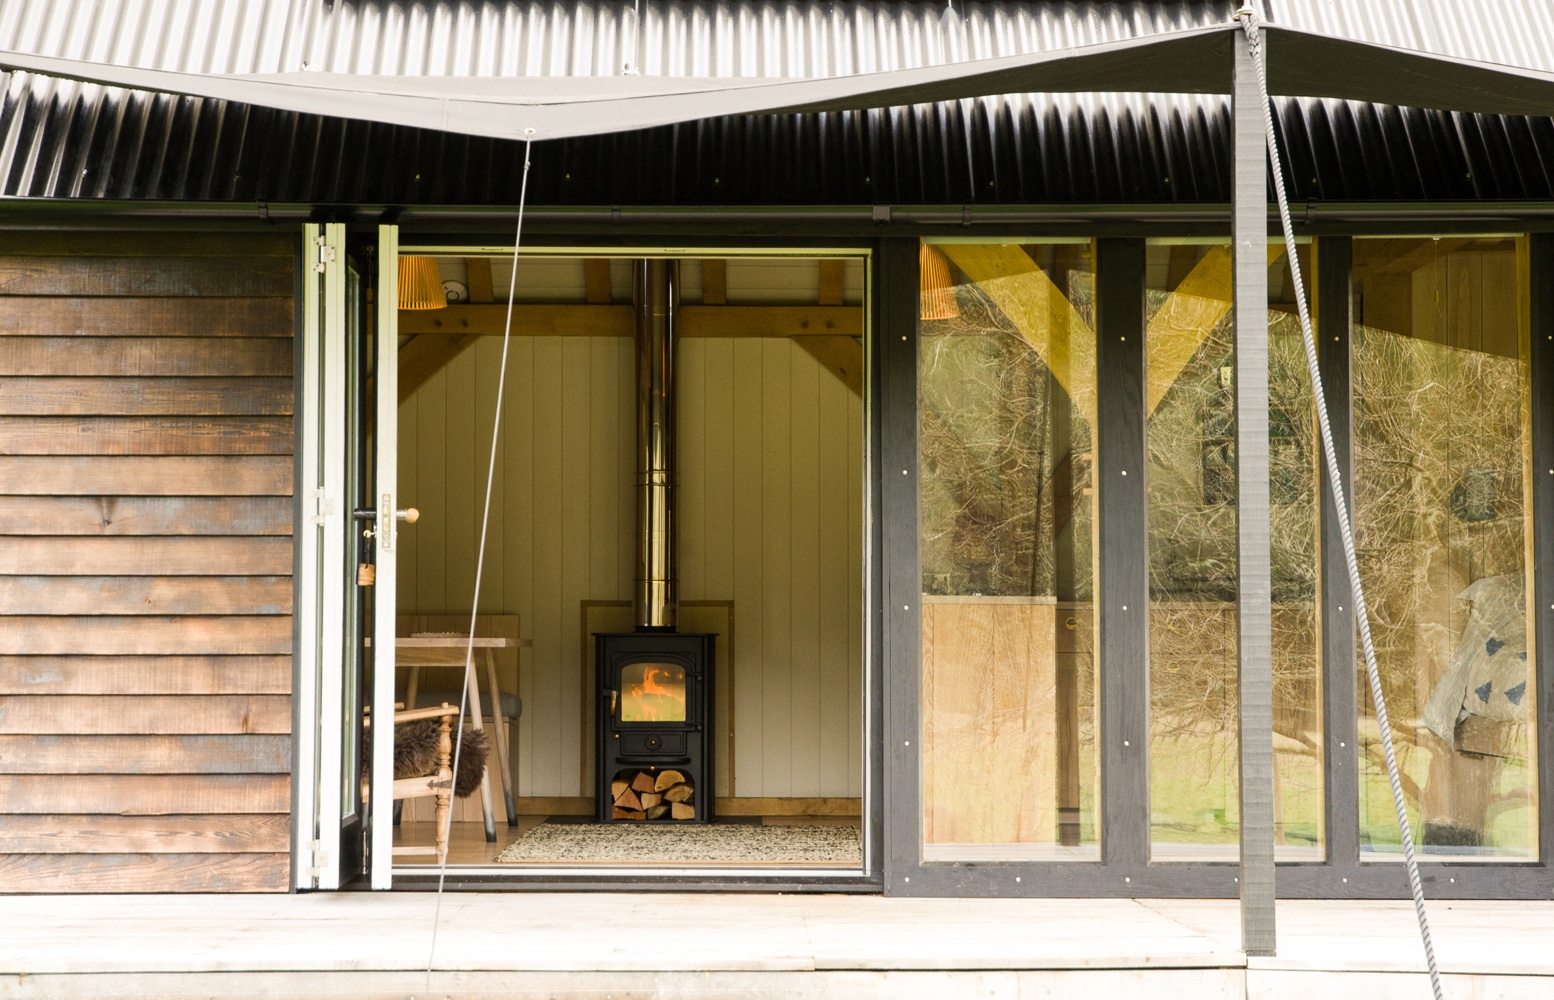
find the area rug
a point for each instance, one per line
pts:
(717, 843)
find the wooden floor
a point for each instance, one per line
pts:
(467, 844)
(586, 945)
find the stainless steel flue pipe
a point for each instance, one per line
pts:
(655, 299)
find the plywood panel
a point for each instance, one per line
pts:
(109, 873)
(144, 714)
(228, 634)
(141, 595)
(45, 316)
(158, 276)
(144, 794)
(75, 674)
(145, 355)
(182, 475)
(748, 491)
(50, 556)
(27, 395)
(777, 688)
(804, 637)
(119, 515)
(553, 700)
(207, 834)
(989, 731)
(146, 435)
(58, 754)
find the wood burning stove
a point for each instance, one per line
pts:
(654, 753)
(655, 713)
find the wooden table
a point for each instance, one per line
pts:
(451, 651)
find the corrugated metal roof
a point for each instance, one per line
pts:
(60, 139)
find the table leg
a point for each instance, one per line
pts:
(498, 722)
(473, 697)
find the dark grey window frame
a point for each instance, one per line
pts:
(1124, 870)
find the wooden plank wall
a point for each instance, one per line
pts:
(771, 518)
(146, 405)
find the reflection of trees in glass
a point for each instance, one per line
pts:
(1438, 510)
(1004, 458)
(1192, 581)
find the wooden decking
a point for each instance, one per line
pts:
(668, 945)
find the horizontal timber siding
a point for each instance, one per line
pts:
(146, 467)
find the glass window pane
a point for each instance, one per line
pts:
(1190, 404)
(1441, 481)
(653, 692)
(1007, 405)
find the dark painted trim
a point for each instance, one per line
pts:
(1340, 705)
(1122, 562)
(1540, 278)
(900, 571)
(874, 662)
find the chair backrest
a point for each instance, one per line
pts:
(486, 627)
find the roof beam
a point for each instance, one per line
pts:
(569, 320)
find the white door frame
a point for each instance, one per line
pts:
(322, 579)
(386, 476)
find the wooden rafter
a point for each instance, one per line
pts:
(553, 320)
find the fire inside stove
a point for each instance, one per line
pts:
(653, 692)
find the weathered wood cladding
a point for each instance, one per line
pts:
(146, 479)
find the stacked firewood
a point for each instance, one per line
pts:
(645, 795)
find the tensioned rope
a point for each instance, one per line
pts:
(1249, 21)
(480, 553)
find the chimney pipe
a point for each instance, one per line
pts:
(655, 299)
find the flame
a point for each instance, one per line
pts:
(658, 697)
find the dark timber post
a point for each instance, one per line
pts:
(1340, 723)
(1249, 231)
(1122, 578)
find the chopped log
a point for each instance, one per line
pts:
(651, 799)
(681, 810)
(635, 814)
(643, 782)
(667, 779)
(628, 800)
(658, 811)
(616, 787)
(679, 793)
(618, 813)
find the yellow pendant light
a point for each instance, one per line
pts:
(938, 291)
(420, 284)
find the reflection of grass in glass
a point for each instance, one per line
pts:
(1511, 823)
(1193, 794)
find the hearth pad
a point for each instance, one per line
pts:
(640, 843)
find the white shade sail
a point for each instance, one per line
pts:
(1197, 60)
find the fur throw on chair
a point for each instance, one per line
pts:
(415, 754)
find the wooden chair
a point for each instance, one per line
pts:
(438, 783)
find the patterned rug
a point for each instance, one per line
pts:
(717, 843)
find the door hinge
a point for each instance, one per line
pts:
(318, 859)
(323, 507)
(326, 254)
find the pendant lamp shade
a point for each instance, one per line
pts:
(938, 291)
(420, 285)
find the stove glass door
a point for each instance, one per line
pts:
(652, 692)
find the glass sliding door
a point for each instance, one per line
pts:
(1193, 666)
(1441, 488)
(1007, 392)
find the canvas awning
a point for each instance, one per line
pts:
(1197, 60)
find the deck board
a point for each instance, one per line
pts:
(779, 945)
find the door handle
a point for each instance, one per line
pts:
(387, 515)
